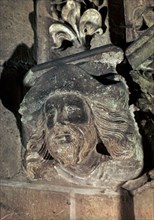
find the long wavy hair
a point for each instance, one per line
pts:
(114, 128)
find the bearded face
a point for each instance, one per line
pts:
(70, 131)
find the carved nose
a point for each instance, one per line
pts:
(61, 118)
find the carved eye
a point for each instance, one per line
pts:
(76, 114)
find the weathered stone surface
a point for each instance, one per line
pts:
(15, 26)
(23, 200)
(141, 49)
(139, 16)
(93, 61)
(29, 201)
(104, 207)
(144, 202)
(67, 119)
(151, 174)
(136, 183)
(30, 204)
(10, 144)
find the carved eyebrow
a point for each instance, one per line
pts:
(72, 107)
(50, 108)
(75, 101)
(47, 105)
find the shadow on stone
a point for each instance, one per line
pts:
(126, 206)
(11, 82)
(117, 23)
(32, 20)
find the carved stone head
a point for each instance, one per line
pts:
(66, 115)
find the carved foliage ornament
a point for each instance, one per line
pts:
(73, 25)
(67, 116)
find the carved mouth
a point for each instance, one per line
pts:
(63, 138)
(65, 146)
(66, 135)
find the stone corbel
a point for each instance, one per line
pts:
(80, 130)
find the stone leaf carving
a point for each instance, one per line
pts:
(81, 130)
(74, 26)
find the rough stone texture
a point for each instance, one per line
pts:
(43, 38)
(141, 49)
(151, 174)
(33, 204)
(10, 144)
(15, 26)
(139, 16)
(131, 185)
(23, 200)
(16, 51)
(100, 207)
(144, 203)
(93, 61)
(140, 56)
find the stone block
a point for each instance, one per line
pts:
(144, 203)
(42, 201)
(104, 207)
(29, 204)
(10, 144)
(142, 49)
(15, 26)
(44, 40)
(139, 16)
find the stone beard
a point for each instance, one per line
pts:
(67, 126)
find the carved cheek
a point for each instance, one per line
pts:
(77, 114)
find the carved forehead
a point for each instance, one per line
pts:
(70, 78)
(60, 100)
